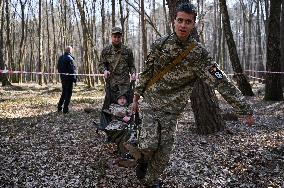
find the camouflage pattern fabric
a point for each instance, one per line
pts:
(119, 78)
(176, 86)
(167, 98)
(118, 131)
(118, 112)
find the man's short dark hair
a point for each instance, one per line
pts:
(186, 7)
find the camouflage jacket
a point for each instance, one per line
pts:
(119, 61)
(118, 112)
(172, 91)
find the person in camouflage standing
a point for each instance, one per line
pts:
(116, 63)
(164, 99)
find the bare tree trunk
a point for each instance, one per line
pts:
(64, 24)
(94, 51)
(273, 88)
(122, 18)
(260, 65)
(237, 34)
(168, 28)
(242, 81)
(220, 32)
(54, 41)
(3, 77)
(11, 64)
(86, 36)
(40, 64)
(224, 64)
(103, 21)
(263, 18)
(203, 100)
(248, 57)
(140, 63)
(282, 42)
(112, 13)
(21, 47)
(150, 32)
(126, 37)
(143, 30)
(48, 57)
(201, 21)
(30, 76)
(214, 34)
(61, 21)
(244, 40)
(266, 6)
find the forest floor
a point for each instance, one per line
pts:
(42, 148)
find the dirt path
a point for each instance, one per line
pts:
(41, 148)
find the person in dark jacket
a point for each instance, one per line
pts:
(66, 66)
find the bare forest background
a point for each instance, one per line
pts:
(34, 34)
(41, 147)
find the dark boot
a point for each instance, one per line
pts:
(59, 109)
(65, 110)
(141, 169)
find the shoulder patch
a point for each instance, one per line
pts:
(216, 72)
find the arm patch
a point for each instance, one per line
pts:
(217, 73)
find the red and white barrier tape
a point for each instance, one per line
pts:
(271, 72)
(25, 72)
(45, 73)
(248, 76)
(256, 78)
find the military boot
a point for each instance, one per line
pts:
(141, 169)
(65, 110)
(59, 108)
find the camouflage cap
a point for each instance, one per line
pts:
(121, 95)
(115, 30)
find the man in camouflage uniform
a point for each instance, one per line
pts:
(165, 99)
(116, 63)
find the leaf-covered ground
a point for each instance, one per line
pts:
(42, 148)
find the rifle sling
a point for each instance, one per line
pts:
(171, 65)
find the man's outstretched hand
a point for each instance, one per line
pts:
(106, 74)
(133, 76)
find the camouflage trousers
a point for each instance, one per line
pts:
(120, 133)
(119, 137)
(156, 138)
